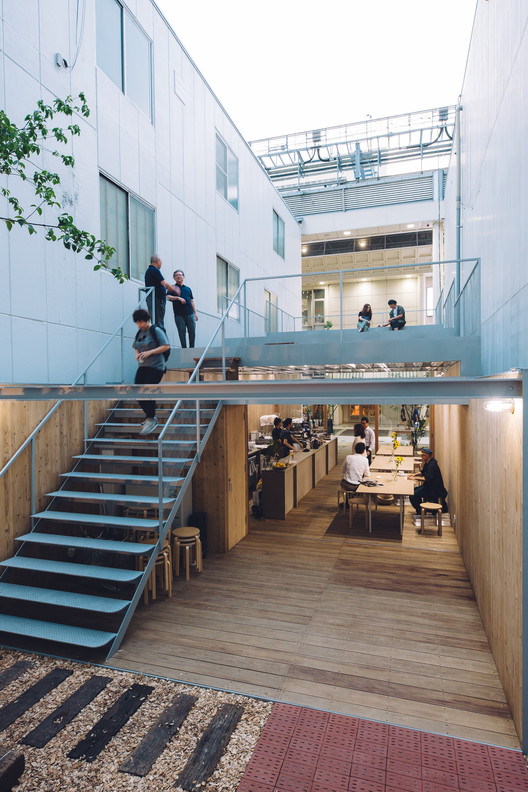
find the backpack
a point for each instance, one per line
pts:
(152, 330)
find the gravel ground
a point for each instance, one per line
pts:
(48, 769)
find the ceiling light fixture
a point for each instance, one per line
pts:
(347, 233)
(500, 405)
(362, 243)
(410, 225)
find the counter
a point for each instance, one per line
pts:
(283, 489)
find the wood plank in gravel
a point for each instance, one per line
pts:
(110, 723)
(153, 744)
(68, 710)
(30, 697)
(12, 765)
(13, 672)
(210, 747)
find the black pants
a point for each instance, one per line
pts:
(158, 314)
(146, 375)
(348, 487)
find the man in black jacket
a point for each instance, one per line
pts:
(432, 488)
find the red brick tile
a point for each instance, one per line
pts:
(379, 761)
(368, 773)
(404, 768)
(403, 783)
(364, 785)
(254, 786)
(334, 780)
(333, 765)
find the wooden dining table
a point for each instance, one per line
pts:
(387, 485)
(383, 462)
(403, 450)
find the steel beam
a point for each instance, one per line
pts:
(425, 390)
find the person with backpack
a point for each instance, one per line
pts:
(152, 350)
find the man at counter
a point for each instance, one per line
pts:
(277, 430)
(355, 469)
(286, 438)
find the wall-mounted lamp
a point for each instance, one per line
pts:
(500, 405)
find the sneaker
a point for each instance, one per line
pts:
(149, 426)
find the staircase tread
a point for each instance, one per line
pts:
(121, 477)
(51, 631)
(70, 599)
(69, 568)
(137, 441)
(99, 519)
(110, 545)
(104, 497)
(133, 459)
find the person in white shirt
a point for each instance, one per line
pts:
(370, 438)
(355, 469)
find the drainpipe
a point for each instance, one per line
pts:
(458, 200)
(524, 568)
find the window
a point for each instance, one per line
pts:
(124, 53)
(429, 306)
(278, 234)
(226, 172)
(270, 312)
(227, 283)
(128, 225)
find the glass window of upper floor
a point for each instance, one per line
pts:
(227, 283)
(127, 224)
(226, 172)
(124, 52)
(278, 234)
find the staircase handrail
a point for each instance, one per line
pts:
(31, 437)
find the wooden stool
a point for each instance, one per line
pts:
(434, 507)
(163, 566)
(186, 538)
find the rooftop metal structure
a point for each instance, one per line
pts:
(362, 150)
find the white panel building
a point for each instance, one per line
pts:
(159, 167)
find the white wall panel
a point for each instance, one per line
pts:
(494, 126)
(30, 351)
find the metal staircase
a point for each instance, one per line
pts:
(75, 578)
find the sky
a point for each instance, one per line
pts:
(288, 66)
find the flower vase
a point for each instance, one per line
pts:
(395, 474)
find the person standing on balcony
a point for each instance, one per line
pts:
(184, 309)
(149, 344)
(396, 316)
(364, 318)
(153, 277)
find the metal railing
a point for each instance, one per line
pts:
(80, 377)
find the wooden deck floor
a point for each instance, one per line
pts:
(378, 629)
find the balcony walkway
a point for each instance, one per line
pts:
(378, 628)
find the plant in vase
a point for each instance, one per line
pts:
(397, 462)
(395, 443)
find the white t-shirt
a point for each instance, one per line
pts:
(355, 468)
(370, 438)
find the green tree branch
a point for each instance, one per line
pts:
(17, 146)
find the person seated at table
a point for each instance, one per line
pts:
(355, 468)
(432, 489)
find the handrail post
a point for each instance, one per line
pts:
(33, 472)
(341, 300)
(198, 430)
(122, 354)
(85, 437)
(223, 353)
(160, 490)
(245, 312)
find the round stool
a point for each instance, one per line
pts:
(437, 509)
(186, 539)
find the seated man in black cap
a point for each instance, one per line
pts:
(432, 488)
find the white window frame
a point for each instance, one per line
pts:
(227, 172)
(127, 18)
(270, 311)
(221, 305)
(126, 259)
(278, 234)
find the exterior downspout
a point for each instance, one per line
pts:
(524, 571)
(458, 201)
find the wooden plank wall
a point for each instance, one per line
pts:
(55, 445)
(480, 455)
(220, 487)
